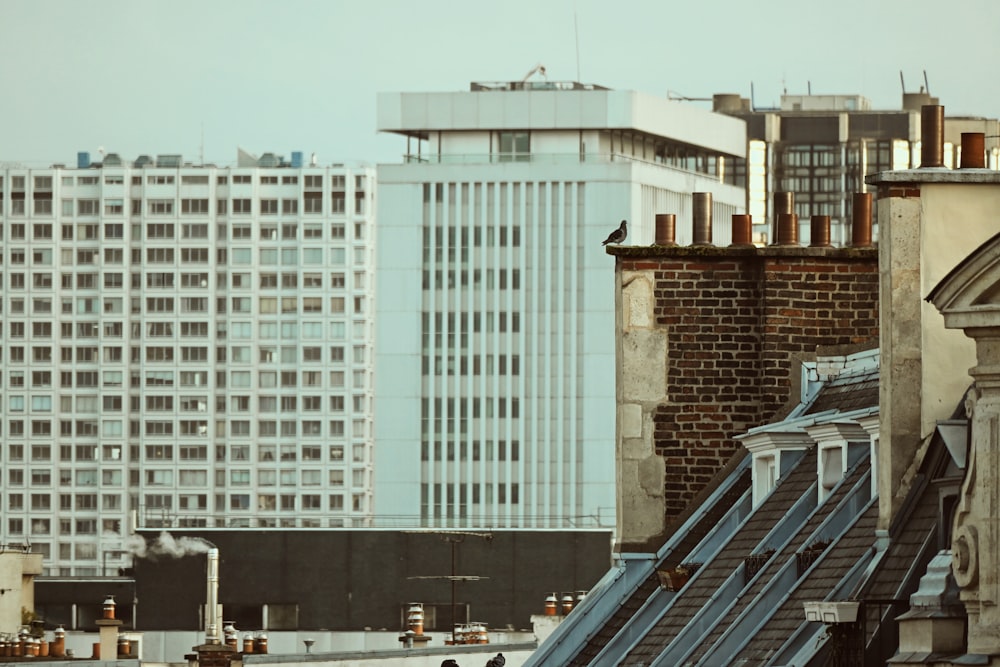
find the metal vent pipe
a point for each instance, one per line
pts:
(973, 150)
(861, 222)
(666, 229)
(932, 135)
(787, 229)
(819, 231)
(782, 202)
(701, 207)
(742, 226)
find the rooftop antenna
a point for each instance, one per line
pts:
(539, 69)
(576, 30)
(927, 86)
(901, 82)
(809, 87)
(753, 105)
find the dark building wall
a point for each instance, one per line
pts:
(738, 324)
(57, 597)
(350, 580)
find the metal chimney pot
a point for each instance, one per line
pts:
(973, 150)
(742, 226)
(861, 222)
(666, 229)
(701, 208)
(932, 135)
(819, 231)
(787, 230)
(212, 615)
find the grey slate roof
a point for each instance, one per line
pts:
(718, 618)
(846, 393)
(651, 585)
(693, 597)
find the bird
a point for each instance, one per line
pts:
(618, 235)
(498, 661)
(450, 662)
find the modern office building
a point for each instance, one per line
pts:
(495, 391)
(185, 345)
(821, 147)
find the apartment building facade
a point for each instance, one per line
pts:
(495, 324)
(185, 345)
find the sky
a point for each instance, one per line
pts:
(203, 77)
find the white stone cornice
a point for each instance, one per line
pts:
(870, 424)
(768, 441)
(837, 432)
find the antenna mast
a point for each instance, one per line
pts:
(576, 30)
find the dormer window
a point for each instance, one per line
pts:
(839, 445)
(774, 454)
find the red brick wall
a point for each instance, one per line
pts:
(739, 322)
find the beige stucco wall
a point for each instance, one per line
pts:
(924, 366)
(957, 220)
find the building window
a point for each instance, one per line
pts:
(514, 147)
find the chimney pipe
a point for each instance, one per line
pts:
(861, 222)
(819, 231)
(415, 618)
(742, 226)
(932, 135)
(701, 208)
(666, 229)
(212, 612)
(973, 150)
(783, 202)
(787, 230)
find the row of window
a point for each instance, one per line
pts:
(495, 278)
(268, 330)
(116, 230)
(450, 494)
(114, 428)
(85, 280)
(112, 453)
(435, 238)
(169, 378)
(475, 450)
(116, 256)
(310, 181)
(158, 501)
(311, 203)
(186, 478)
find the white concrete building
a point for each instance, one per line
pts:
(495, 392)
(184, 345)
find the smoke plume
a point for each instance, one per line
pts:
(167, 546)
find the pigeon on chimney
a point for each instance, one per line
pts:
(498, 661)
(618, 235)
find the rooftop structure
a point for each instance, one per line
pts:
(495, 327)
(821, 147)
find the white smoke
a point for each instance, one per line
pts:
(167, 546)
